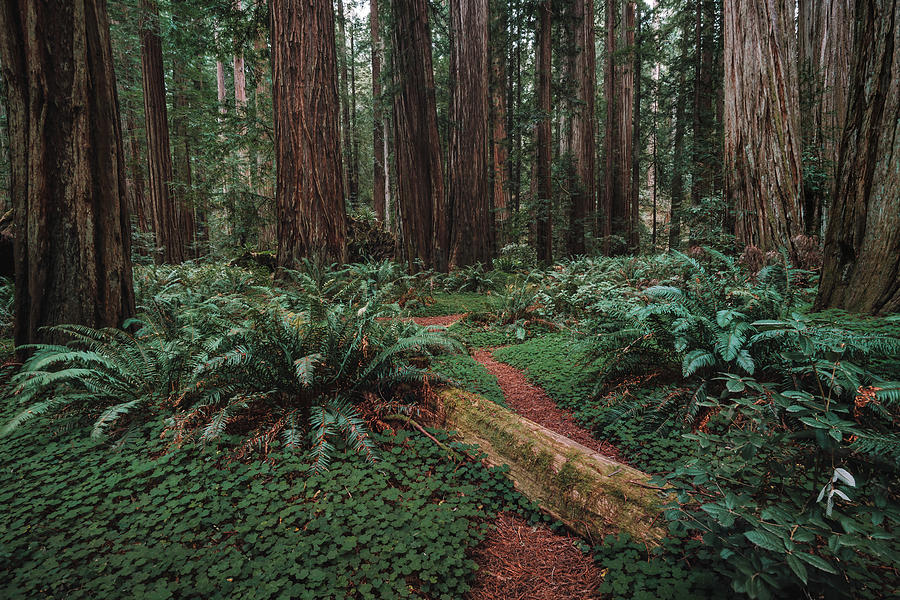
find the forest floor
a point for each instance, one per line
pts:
(518, 561)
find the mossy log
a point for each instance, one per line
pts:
(590, 493)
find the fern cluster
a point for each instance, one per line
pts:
(213, 350)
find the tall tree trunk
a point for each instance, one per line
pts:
(309, 189)
(862, 242)
(170, 239)
(706, 149)
(345, 96)
(544, 209)
(499, 42)
(676, 191)
(420, 178)
(472, 225)
(580, 139)
(619, 125)
(826, 40)
(762, 123)
(240, 106)
(634, 242)
(354, 132)
(183, 176)
(379, 198)
(73, 237)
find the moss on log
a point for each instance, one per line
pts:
(590, 493)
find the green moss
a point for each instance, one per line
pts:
(451, 304)
(467, 373)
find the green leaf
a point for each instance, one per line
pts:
(797, 567)
(764, 539)
(817, 561)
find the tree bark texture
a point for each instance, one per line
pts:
(826, 46)
(707, 146)
(72, 243)
(544, 208)
(580, 139)
(171, 240)
(861, 269)
(345, 98)
(617, 217)
(762, 123)
(378, 174)
(420, 179)
(309, 189)
(470, 193)
(499, 42)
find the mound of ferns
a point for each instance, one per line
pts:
(298, 373)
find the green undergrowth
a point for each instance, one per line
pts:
(678, 568)
(465, 372)
(553, 363)
(886, 366)
(452, 304)
(487, 334)
(85, 520)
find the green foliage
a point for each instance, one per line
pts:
(465, 372)
(472, 279)
(452, 304)
(294, 364)
(794, 483)
(82, 520)
(516, 258)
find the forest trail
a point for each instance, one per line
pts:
(534, 404)
(518, 561)
(440, 321)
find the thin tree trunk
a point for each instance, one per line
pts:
(544, 209)
(861, 271)
(420, 178)
(73, 236)
(169, 234)
(678, 167)
(354, 132)
(379, 198)
(347, 146)
(472, 225)
(183, 176)
(634, 242)
(309, 189)
(762, 123)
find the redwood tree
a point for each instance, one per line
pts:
(544, 208)
(762, 123)
(862, 242)
(471, 225)
(309, 190)
(580, 139)
(72, 244)
(171, 239)
(378, 179)
(420, 178)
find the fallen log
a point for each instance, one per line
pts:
(591, 494)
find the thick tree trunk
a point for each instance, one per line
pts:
(354, 131)
(762, 123)
(420, 179)
(472, 224)
(170, 238)
(862, 243)
(499, 42)
(544, 208)
(309, 189)
(588, 492)
(240, 106)
(183, 175)
(73, 237)
(706, 149)
(580, 140)
(378, 175)
(826, 40)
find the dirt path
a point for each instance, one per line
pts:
(441, 321)
(533, 403)
(518, 561)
